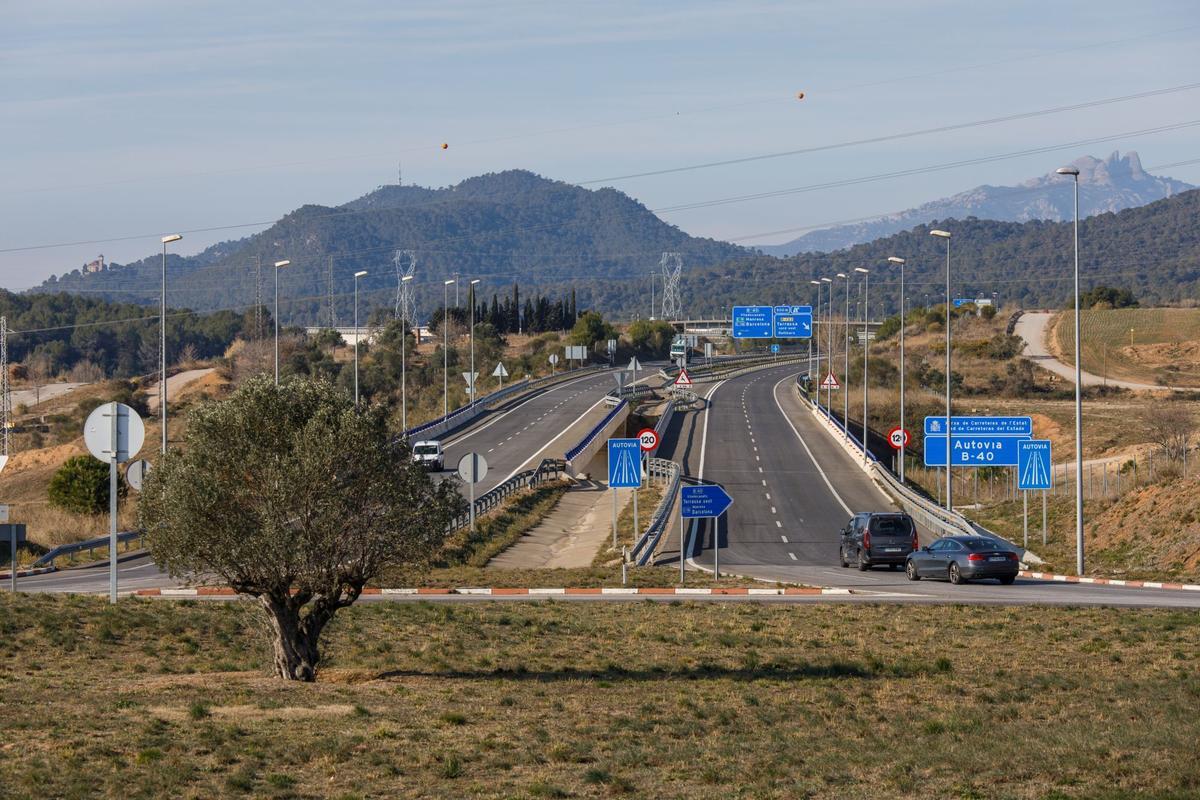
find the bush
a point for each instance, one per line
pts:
(81, 486)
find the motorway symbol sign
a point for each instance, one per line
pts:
(706, 500)
(981, 426)
(774, 348)
(472, 468)
(792, 322)
(683, 379)
(648, 438)
(1033, 464)
(624, 463)
(110, 439)
(898, 438)
(830, 382)
(136, 472)
(499, 371)
(753, 322)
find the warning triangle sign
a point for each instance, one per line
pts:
(830, 382)
(684, 379)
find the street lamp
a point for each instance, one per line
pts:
(471, 298)
(846, 362)
(949, 420)
(1074, 173)
(404, 323)
(866, 349)
(446, 345)
(811, 339)
(278, 266)
(828, 353)
(357, 275)
(162, 345)
(900, 261)
(651, 296)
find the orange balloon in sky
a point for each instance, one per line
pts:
(445, 146)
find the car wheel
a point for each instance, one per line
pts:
(956, 576)
(863, 564)
(1008, 580)
(842, 557)
(910, 569)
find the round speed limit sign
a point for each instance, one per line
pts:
(648, 439)
(898, 438)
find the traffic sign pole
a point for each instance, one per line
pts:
(112, 510)
(1025, 520)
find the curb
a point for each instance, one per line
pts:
(1050, 576)
(225, 591)
(25, 573)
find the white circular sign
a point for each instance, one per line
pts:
(136, 472)
(472, 468)
(554, 358)
(114, 431)
(898, 438)
(648, 439)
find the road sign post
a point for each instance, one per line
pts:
(624, 472)
(1034, 460)
(114, 433)
(500, 372)
(472, 468)
(707, 500)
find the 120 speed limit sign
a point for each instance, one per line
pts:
(898, 438)
(648, 439)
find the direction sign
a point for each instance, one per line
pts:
(753, 322)
(499, 371)
(973, 451)
(707, 500)
(648, 438)
(981, 426)
(1033, 464)
(472, 468)
(107, 437)
(830, 382)
(898, 438)
(959, 302)
(774, 348)
(793, 322)
(624, 463)
(683, 379)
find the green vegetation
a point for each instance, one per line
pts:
(163, 699)
(1147, 345)
(496, 532)
(80, 485)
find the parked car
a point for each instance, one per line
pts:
(871, 538)
(959, 559)
(429, 455)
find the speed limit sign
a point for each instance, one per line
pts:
(648, 439)
(898, 438)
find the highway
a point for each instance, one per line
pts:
(794, 489)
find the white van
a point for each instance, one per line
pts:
(429, 455)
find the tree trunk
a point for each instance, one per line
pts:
(295, 640)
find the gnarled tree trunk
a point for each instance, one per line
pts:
(296, 637)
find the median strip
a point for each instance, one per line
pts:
(478, 591)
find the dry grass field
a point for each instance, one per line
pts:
(163, 699)
(1148, 345)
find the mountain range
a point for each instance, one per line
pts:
(1111, 184)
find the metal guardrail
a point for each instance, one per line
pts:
(594, 432)
(548, 469)
(90, 545)
(643, 549)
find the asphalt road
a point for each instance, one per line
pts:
(794, 488)
(134, 571)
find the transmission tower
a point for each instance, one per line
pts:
(332, 314)
(406, 298)
(6, 403)
(672, 268)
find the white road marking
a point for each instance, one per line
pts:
(781, 536)
(773, 511)
(793, 556)
(833, 491)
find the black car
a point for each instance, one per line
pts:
(959, 559)
(872, 538)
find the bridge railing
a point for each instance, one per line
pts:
(643, 549)
(594, 432)
(548, 469)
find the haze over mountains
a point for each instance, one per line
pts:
(1110, 184)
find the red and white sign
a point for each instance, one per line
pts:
(684, 379)
(648, 439)
(830, 382)
(898, 438)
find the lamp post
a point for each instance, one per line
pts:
(900, 261)
(949, 419)
(651, 296)
(162, 344)
(846, 361)
(404, 323)
(357, 275)
(471, 298)
(813, 338)
(828, 351)
(446, 344)
(1074, 173)
(866, 348)
(278, 266)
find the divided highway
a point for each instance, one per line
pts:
(795, 488)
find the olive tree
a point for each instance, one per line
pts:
(291, 496)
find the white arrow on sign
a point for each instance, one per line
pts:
(500, 371)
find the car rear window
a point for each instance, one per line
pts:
(426, 450)
(977, 545)
(891, 526)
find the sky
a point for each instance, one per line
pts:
(124, 120)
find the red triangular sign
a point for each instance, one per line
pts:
(684, 379)
(830, 382)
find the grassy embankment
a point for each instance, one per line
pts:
(1144, 345)
(156, 699)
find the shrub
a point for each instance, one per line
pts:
(81, 486)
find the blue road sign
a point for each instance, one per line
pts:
(981, 426)
(624, 463)
(793, 322)
(1033, 464)
(973, 451)
(707, 500)
(959, 302)
(752, 322)
(774, 348)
